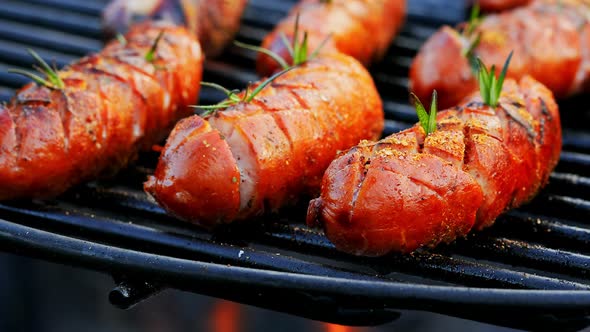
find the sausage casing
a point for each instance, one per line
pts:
(259, 156)
(410, 190)
(112, 104)
(362, 29)
(550, 40)
(214, 22)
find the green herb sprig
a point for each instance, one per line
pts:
(427, 120)
(121, 39)
(475, 19)
(233, 96)
(51, 80)
(150, 55)
(298, 48)
(473, 39)
(490, 86)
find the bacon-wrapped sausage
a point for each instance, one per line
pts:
(550, 40)
(500, 5)
(411, 190)
(214, 22)
(258, 156)
(362, 29)
(108, 105)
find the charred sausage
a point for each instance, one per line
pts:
(410, 190)
(362, 29)
(110, 105)
(256, 157)
(214, 22)
(550, 40)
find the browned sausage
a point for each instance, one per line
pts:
(257, 157)
(214, 22)
(411, 190)
(550, 40)
(362, 29)
(111, 104)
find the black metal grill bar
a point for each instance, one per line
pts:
(574, 162)
(557, 206)
(108, 231)
(87, 7)
(428, 265)
(440, 268)
(562, 184)
(14, 52)
(550, 232)
(189, 272)
(59, 41)
(529, 255)
(47, 16)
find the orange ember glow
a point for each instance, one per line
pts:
(225, 317)
(340, 328)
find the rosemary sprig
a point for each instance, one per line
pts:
(298, 48)
(427, 120)
(474, 20)
(473, 39)
(490, 86)
(263, 50)
(51, 80)
(121, 38)
(233, 96)
(151, 53)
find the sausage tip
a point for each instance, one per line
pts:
(313, 212)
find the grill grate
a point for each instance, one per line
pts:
(535, 259)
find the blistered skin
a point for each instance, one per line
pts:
(550, 40)
(362, 29)
(214, 22)
(257, 157)
(500, 5)
(412, 190)
(113, 103)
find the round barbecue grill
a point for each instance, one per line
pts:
(531, 270)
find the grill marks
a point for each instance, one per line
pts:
(282, 141)
(359, 28)
(413, 190)
(111, 106)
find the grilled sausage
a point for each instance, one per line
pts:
(410, 190)
(112, 104)
(214, 22)
(550, 40)
(256, 157)
(500, 5)
(362, 29)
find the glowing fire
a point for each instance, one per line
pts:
(339, 328)
(225, 317)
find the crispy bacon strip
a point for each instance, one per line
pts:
(257, 157)
(410, 190)
(550, 40)
(362, 29)
(112, 104)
